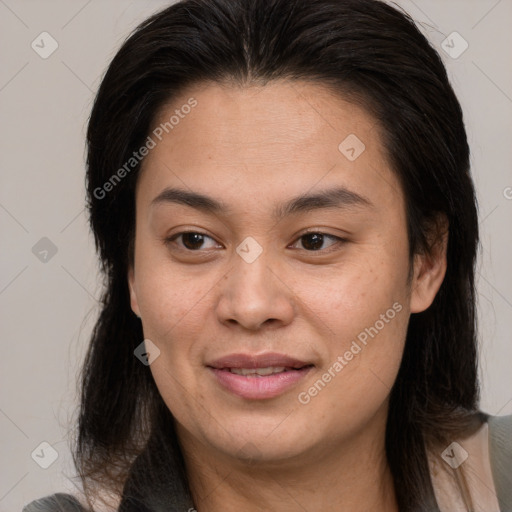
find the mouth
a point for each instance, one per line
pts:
(258, 377)
(261, 372)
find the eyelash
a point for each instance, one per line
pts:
(338, 241)
(172, 238)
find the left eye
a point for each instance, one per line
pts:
(315, 241)
(193, 241)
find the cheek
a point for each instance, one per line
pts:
(362, 313)
(174, 317)
(354, 295)
(166, 306)
(174, 311)
(360, 369)
(168, 297)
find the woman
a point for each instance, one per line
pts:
(280, 196)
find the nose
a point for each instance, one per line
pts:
(254, 295)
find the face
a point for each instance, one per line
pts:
(271, 268)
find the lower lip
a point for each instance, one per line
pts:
(259, 387)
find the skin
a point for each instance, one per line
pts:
(254, 148)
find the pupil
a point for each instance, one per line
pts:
(313, 242)
(192, 240)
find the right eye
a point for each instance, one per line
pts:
(190, 241)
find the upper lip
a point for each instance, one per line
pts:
(257, 361)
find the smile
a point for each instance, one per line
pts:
(258, 377)
(263, 372)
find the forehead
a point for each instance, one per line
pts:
(282, 137)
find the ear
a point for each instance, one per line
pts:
(133, 295)
(430, 266)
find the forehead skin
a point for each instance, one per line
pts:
(269, 142)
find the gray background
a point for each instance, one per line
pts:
(48, 307)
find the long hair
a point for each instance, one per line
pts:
(369, 53)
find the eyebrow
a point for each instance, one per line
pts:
(338, 197)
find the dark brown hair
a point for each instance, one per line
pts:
(366, 51)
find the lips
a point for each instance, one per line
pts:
(257, 377)
(258, 361)
(259, 372)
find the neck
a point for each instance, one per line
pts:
(350, 475)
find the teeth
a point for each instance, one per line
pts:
(269, 370)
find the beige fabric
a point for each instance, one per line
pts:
(465, 464)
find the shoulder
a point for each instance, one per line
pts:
(500, 442)
(501, 430)
(500, 452)
(55, 503)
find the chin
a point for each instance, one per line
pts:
(255, 438)
(261, 451)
